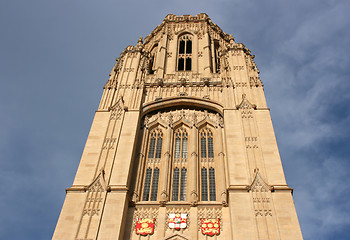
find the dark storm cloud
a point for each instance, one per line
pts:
(56, 56)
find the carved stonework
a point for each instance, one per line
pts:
(251, 142)
(109, 143)
(246, 107)
(117, 109)
(96, 193)
(261, 194)
(255, 82)
(191, 117)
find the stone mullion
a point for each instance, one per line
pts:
(164, 190)
(213, 56)
(193, 165)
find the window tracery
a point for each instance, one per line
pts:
(177, 165)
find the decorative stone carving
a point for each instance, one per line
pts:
(109, 143)
(261, 194)
(246, 107)
(117, 109)
(194, 198)
(189, 116)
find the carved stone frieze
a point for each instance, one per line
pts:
(189, 116)
(117, 109)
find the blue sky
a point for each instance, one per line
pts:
(55, 57)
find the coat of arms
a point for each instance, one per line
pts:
(144, 226)
(177, 220)
(210, 226)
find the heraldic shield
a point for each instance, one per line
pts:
(177, 220)
(210, 226)
(144, 226)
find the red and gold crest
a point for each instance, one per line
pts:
(210, 226)
(144, 226)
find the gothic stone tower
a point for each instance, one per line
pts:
(181, 146)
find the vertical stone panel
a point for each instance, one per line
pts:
(287, 219)
(272, 161)
(89, 159)
(125, 150)
(68, 221)
(114, 215)
(236, 153)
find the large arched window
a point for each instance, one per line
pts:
(179, 180)
(150, 187)
(208, 189)
(184, 62)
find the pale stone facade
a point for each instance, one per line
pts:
(182, 127)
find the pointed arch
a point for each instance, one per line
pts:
(205, 122)
(181, 122)
(183, 101)
(258, 183)
(245, 103)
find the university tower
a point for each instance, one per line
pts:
(181, 146)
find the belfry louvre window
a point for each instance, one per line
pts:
(185, 53)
